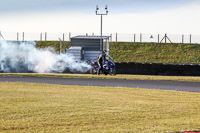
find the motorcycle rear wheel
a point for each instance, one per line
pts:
(93, 71)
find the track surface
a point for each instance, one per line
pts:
(148, 84)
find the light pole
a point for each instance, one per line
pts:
(97, 8)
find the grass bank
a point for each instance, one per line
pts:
(118, 76)
(53, 44)
(155, 52)
(29, 107)
(144, 52)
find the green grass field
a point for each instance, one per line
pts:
(26, 107)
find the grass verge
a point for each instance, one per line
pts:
(29, 107)
(119, 76)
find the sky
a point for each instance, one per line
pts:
(78, 16)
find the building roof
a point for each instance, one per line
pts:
(90, 37)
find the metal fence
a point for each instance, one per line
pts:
(156, 38)
(114, 37)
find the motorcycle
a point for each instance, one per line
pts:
(108, 68)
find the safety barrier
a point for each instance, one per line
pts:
(158, 69)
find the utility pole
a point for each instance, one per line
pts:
(97, 8)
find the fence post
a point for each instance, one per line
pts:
(134, 37)
(190, 38)
(182, 38)
(45, 36)
(23, 36)
(165, 37)
(60, 45)
(17, 36)
(110, 37)
(69, 36)
(40, 36)
(63, 37)
(116, 37)
(140, 37)
(158, 38)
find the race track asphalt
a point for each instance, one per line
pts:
(147, 84)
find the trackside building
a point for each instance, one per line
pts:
(88, 48)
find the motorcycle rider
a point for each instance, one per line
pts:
(101, 59)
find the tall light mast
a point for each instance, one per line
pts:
(97, 9)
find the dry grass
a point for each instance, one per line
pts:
(26, 107)
(119, 76)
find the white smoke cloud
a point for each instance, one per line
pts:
(25, 57)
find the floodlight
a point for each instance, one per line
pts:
(97, 8)
(106, 8)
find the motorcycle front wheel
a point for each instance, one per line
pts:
(112, 72)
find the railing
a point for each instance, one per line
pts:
(114, 37)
